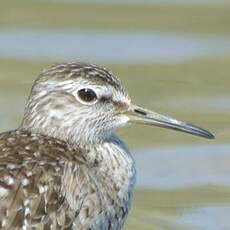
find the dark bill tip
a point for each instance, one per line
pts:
(192, 129)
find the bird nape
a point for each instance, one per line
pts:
(63, 168)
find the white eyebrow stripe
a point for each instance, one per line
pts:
(58, 83)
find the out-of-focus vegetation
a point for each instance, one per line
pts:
(206, 18)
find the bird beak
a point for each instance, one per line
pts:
(139, 115)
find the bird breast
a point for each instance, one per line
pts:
(100, 191)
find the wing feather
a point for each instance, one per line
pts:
(30, 178)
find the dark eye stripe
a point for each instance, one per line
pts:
(105, 99)
(87, 95)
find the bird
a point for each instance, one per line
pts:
(63, 167)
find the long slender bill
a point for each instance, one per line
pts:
(143, 116)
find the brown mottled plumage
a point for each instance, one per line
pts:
(64, 168)
(36, 173)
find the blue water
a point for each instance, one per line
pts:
(206, 218)
(183, 166)
(102, 46)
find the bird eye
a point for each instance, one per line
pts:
(87, 95)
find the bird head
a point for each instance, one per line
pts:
(84, 103)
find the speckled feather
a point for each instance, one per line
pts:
(47, 184)
(52, 181)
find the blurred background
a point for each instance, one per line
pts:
(174, 58)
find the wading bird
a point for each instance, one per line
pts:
(63, 168)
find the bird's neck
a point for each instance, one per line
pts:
(76, 136)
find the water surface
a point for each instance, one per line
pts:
(183, 166)
(102, 46)
(207, 218)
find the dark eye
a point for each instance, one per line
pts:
(87, 95)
